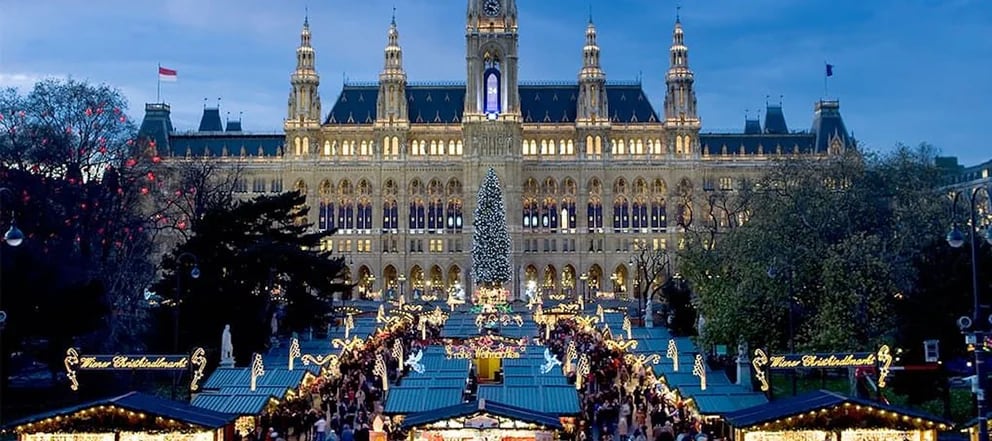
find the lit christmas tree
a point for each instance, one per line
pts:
(490, 240)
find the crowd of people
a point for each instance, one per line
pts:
(619, 402)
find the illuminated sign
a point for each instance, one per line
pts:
(489, 346)
(75, 362)
(813, 361)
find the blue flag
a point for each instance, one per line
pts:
(830, 70)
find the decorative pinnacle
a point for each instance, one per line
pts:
(678, 12)
(394, 15)
(306, 16)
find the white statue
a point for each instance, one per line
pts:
(226, 348)
(275, 323)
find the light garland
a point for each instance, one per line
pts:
(87, 423)
(587, 322)
(581, 370)
(380, 370)
(244, 424)
(257, 370)
(885, 362)
(642, 359)
(699, 370)
(570, 354)
(294, 351)
(673, 353)
(199, 362)
(759, 362)
(867, 416)
(348, 345)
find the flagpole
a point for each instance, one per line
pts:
(825, 76)
(158, 88)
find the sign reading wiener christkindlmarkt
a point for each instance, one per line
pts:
(74, 362)
(821, 361)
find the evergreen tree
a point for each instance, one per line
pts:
(490, 239)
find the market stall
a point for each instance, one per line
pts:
(829, 416)
(130, 417)
(481, 420)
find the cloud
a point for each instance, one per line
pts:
(23, 82)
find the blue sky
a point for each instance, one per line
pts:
(905, 70)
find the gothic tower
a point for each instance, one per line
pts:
(592, 103)
(391, 105)
(303, 116)
(491, 58)
(681, 120)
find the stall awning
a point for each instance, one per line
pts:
(481, 407)
(133, 409)
(829, 409)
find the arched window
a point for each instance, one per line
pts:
(621, 215)
(453, 218)
(493, 93)
(595, 212)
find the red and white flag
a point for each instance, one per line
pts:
(167, 74)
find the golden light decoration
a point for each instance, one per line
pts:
(673, 353)
(409, 307)
(607, 332)
(758, 362)
(349, 324)
(332, 361)
(581, 370)
(380, 370)
(294, 351)
(199, 362)
(71, 362)
(587, 322)
(699, 370)
(244, 424)
(620, 344)
(557, 296)
(257, 370)
(380, 317)
(437, 317)
(538, 315)
(642, 359)
(348, 345)
(422, 326)
(885, 363)
(627, 327)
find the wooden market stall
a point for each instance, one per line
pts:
(483, 420)
(130, 417)
(829, 416)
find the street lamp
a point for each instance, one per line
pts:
(955, 238)
(635, 269)
(402, 279)
(585, 279)
(14, 237)
(193, 273)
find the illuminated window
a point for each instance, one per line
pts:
(492, 81)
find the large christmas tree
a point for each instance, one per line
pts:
(490, 240)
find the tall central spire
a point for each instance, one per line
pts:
(304, 101)
(391, 104)
(592, 103)
(680, 97)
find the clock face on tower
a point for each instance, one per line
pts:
(491, 8)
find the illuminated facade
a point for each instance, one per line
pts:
(591, 170)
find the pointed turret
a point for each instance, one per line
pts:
(304, 101)
(391, 105)
(680, 98)
(592, 103)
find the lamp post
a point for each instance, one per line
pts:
(402, 280)
(14, 237)
(585, 279)
(194, 273)
(974, 336)
(635, 270)
(371, 284)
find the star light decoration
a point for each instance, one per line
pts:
(673, 353)
(257, 370)
(699, 370)
(758, 362)
(294, 351)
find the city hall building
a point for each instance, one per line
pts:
(591, 170)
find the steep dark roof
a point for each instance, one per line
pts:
(714, 143)
(210, 121)
(268, 144)
(444, 103)
(233, 126)
(142, 403)
(827, 124)
(775, 120)
(157, 124)
(481, 407)
(752, 127)
(815, 401)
